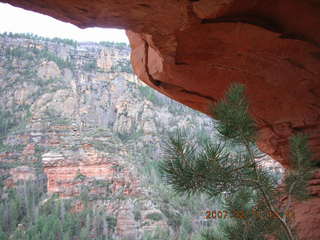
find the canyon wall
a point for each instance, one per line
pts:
(192, 51)
(74, 115)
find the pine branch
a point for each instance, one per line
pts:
(266, 196)
(289, 199)
(191, 168)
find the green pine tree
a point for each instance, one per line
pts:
(249, 190)
(2, 235)
(66, 236)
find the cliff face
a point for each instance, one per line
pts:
(192, 51)
(75, 114)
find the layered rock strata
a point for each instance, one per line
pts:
(192, 51)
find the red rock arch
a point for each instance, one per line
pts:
(192, 50)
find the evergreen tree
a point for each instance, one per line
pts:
(66, 236)
(2, 235)
(249, 190)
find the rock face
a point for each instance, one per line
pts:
(21, 173)
(192, 51)
(306, 213)
(75, 117)
(67, 174)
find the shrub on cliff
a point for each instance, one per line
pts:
(7, 122)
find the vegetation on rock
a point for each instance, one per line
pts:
(96, 132)
(249, 191)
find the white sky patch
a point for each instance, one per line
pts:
(18, 20)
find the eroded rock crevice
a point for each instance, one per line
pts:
(264, 23)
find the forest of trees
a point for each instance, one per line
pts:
(28, 214)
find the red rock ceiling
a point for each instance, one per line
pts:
(192, 51)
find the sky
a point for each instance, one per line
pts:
(18, 20)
